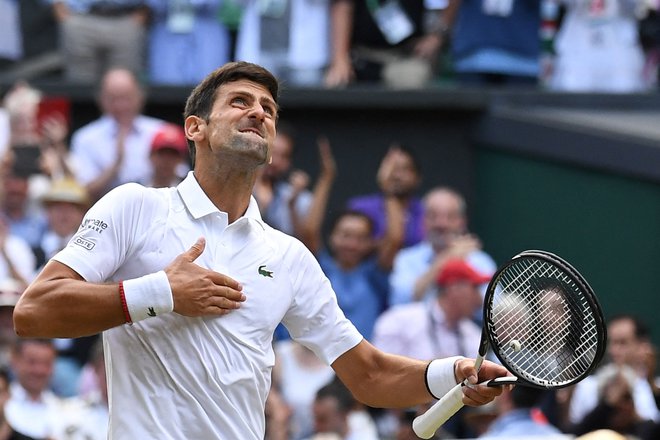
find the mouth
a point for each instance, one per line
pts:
(253, 131)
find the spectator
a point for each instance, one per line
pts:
(86, 416)
(6, 431)
(598, 47)
(186, 41)
(11, 43)
(445, 236)
(21, 212)
(399, 176)
(495, 42)
(387, 43)
(32, 407)
(97, 35)
(281, 192)
(36, 147)
(356, 268)
(289, 38)
(426, 329)
(334, 408)
(278, 415)
(114, 149)
(10, 291)
(16, 258)
(518, 415)
(626, 336)
(168, 156)
(37, 131)
(615, 407)
(298, 374)
(65, 204)
(28, 39)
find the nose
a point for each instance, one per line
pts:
(258, 112)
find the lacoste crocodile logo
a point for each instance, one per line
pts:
(265, 273)
(151, 311)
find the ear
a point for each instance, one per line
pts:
(195, 128)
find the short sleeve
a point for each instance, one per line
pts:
(106, 235)
(315, 319)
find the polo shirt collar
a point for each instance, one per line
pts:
(199, 205)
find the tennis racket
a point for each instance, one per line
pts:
(543, 322)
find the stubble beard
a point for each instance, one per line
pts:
(250, 149)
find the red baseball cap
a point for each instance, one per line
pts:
(172, 137)
(459, 270)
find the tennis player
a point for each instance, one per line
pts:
(188, 284)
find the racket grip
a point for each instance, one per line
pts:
(428, 423)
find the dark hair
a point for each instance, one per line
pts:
(352, 213)
(412, 155)
(641, 329)
(527, 397)
(336, 389)
(22, 342)
(200, 101)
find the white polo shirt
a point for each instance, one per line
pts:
(174, 377)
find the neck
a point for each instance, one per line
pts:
(162, 181)
(229, 190)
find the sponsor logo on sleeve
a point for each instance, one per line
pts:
(94, 224)
(84, 243)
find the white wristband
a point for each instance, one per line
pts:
(148, 296)
(440, 377)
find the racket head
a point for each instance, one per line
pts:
(543, 321)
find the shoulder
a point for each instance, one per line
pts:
(421, 250)
(134, 196)
(149, 122)
(91, 128)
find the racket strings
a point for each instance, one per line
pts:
(548, 323)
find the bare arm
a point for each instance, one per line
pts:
(99, 186)
(299, 180)
(459, 247)
(340, 71)
(384, 380)
(311, 235)
(393, 238)
(59, 303)
(395, 211)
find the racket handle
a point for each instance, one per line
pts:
(428, 423)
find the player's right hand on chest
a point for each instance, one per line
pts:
(198, 291)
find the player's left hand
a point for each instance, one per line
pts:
(475, 394)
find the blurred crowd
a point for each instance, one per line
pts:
(563, 45)
(407, 269)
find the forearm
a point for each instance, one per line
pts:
(423, 283)
(395, 382)
(383, 380)
(99, 186)
(64, 307)
(311, 233)
(394, 233)
(341, 16)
